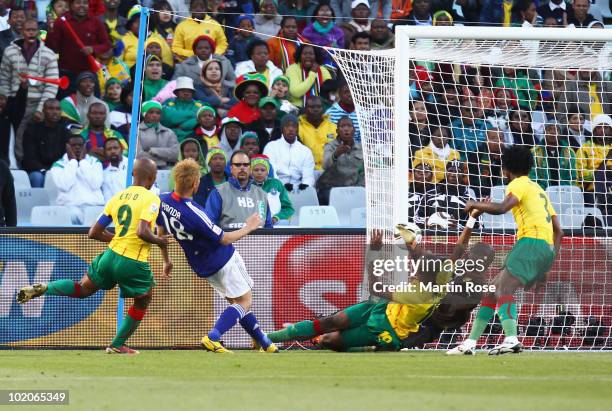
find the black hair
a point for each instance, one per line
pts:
(154, 21)
(573, 109)
(235, 153)
(96, 104)
(15, 9)
(193, 1)
(517, 159)
(317, 51)
(111, 139)
(285, 18)
(361, 35)
(71, 136)
(256, 43)
(315, 12)
(125, 93)
(521, 6)
(345, 118)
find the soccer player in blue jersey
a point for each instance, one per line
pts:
(211, 255)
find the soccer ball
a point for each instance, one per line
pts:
(407, 234)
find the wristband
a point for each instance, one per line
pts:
(470, 222)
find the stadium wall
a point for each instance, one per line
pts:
(298, 274)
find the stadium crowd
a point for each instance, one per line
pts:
(266, 88)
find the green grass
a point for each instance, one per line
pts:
(298, 380)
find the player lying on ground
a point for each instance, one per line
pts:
(385, 323)
(125, 261)
(539, 238)
(212, 256)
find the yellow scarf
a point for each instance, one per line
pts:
(596, 107)
(507, 13)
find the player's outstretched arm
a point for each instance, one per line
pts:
(493, 208)
(168, 265)
(144, 232)
(557, 233)
(252, 223)
(99, 232)
(464, 238)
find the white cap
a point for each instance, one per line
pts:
(356, 3)
(601, 120)
(183, 83)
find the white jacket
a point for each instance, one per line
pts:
(114, 179)
(78, 182)
(248, 66)
(293, 163)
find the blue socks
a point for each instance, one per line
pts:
(228, 318)
(251, 325)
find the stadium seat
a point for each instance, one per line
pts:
(91, 214)
(318, 217)
(51, 216)
(344, 199)
(307, 197)
(358, 217)
(317, 174)
(498, 193)
(51, 189)
(163, 180)
(574, 217)
(564, 197)
(603, 6)
(20, 179)
(26, 199)
(498, 222)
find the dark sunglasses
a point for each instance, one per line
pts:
(241, 164)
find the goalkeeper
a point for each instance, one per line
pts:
(385, 323)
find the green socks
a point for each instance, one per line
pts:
(128, 326)
(66, 288)
(484, 315)
(507, 315)
(298, 331)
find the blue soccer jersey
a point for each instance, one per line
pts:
(198, 236)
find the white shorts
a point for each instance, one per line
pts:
(232, 280)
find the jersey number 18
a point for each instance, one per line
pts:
(175, 226)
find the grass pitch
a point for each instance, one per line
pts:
(317, 380)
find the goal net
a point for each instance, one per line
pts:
(435, 114)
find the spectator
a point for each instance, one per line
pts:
(419, 185)
(163, 23)
(235, 200)
(307, 75)
(557, 9)
(603, 188)
(443, 205)
(55, 10)
(503, 101)
(44, 143)
(191, 148)
(344, 107)
(11, 113)
(581, 17)
(301, 9)
(524, 13)
(484, 165)
(156, 142)
(277, 195)
(8, 204)
(468, 130)
(96, 132)
(121, 117)
(237, 50)
(130, 39)
(593, 152)
(111, 67)
(180, 113)
(418, 129)
(214, 91)
(382, 37)
(341, 9)
(153, 82)
(16, 19)
(78, 178)
(316, 130)
(361, 41)
(497, 13)
(590, 92)
(90, 30)
(115, 173)
(155, 45)
(442, 18)
(282, 48)
(249, 143)
(259, 53)
(420, 14)
(342, 162)
(249, 90)
(76, 106)
(438, 152)
(554, 159)
(267, 22)
(190, 29)
(217, 162)
(422, 88)
(112, 93)
(267, 127)
(231, 131)
(30, 56)
(360, 22)
(207, 132)
(291, 159)
(114, 21)
(520, 128)
(575, 127)
(323, 30)
(521, 86)
(280, 92)
(204, 49)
